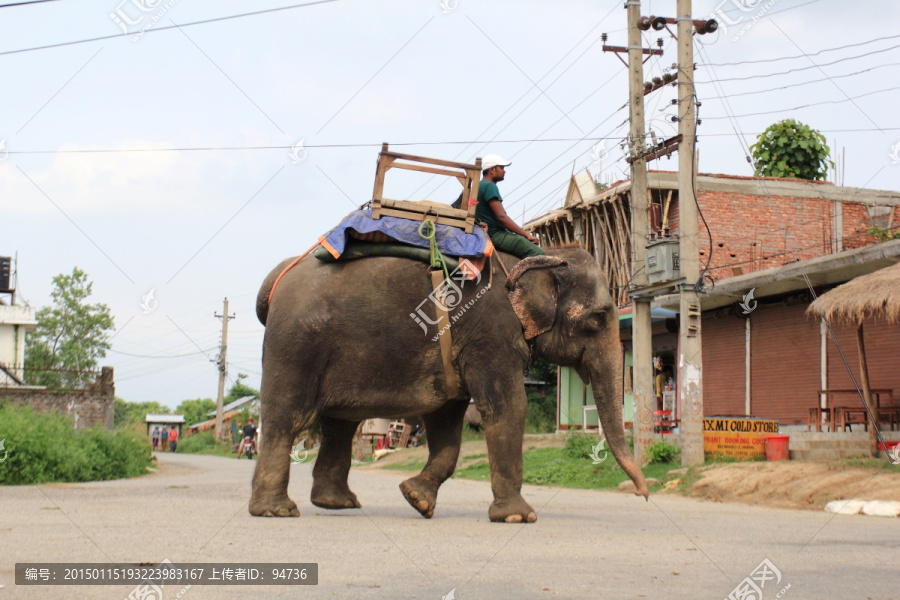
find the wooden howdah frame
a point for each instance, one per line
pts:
(469, 176)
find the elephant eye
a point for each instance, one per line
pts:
(596, 321)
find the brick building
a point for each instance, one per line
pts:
(768, 235)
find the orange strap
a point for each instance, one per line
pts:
(288, 268)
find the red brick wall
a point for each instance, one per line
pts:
(759, 232)
(724, 366)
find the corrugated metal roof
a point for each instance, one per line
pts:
(152, 418)
(233, 405)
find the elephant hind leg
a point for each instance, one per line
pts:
(270, 479)
(444, 430)
(330, 488)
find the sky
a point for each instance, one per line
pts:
(188, 159)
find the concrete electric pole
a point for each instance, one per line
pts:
(222, 371)
(690, 360)
(641, 334)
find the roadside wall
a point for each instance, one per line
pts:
(91, 405)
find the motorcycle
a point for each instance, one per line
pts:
(249, 447)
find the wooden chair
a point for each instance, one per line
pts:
(439, 212)
(819, 417)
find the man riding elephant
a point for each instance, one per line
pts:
(505, 234)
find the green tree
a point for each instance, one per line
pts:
(195, 411)
(240, 389)
(129, 413)
(791, 149)
(71, 334)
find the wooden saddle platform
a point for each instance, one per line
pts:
(469, 176)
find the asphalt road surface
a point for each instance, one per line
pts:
(585, 544)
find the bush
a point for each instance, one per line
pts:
(541, 415)
(44, 447)
(580, 445)
(663, 452)
(201, 442)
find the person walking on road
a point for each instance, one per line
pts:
(164, 437)
(155, 438)
(173, 439)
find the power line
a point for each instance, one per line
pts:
(378, 144)
(768, 60)
(165, 27)
(27, 2)
(834, 62)
(792, 85)
(809, 105)
(161, 356)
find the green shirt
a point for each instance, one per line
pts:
(487, 191)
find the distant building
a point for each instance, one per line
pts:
(15, 322)
(163, 421)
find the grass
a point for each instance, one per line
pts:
(554, 467)
(44, 447)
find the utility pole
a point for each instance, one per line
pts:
(221, 363)
(641, 334)
(690, 361)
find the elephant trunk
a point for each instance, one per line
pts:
(606, 382)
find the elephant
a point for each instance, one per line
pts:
(343, 344)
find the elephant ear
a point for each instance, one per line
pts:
(534, 292)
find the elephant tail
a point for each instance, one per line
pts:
(262, 298)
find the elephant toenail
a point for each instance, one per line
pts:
(514, 519)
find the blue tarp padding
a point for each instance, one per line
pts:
(452, 241)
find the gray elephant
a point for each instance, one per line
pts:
(340, 347)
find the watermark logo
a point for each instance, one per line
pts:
(4, 153)
(121, 17)
(744, 6)
(599, 152)
(148, 590)
(295, 453)
(749, 303)
(298, 152)
(894, 453)
(450, 596)
(148, 302)
(5, 452)
(895, 153)
(751, 588)
(449, 5)
(448, 297)
(595, 452)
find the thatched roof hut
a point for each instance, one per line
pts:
(872, 296)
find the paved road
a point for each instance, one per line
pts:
(586, 544)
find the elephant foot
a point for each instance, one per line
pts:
(279, 507)
(421, 495)
(514, 510)
(333, 498)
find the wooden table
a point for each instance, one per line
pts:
(841, 417)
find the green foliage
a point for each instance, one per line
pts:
(791, 149)
(44, 447)
(240, 390)
(662, 452)
(884, 235)
(195, 411)
(580, 445)
(202, 442)
(554, 467)
(129, 413)
(468, 434)
(541, 415)
(71, 334)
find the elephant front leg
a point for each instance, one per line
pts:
(270, 479)
(504, 429)
(330, 489)
(444, 431)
